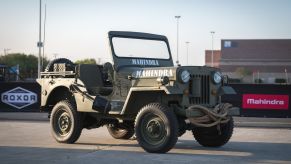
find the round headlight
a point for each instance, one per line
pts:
(217, 77)
(185, 76)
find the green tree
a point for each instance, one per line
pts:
(27, 63)
(86, 61)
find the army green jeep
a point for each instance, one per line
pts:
(141, 93)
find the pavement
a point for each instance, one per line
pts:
(239, 121)
(31, 142)
(26, 138)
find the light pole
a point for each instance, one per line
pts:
(187, 46)
(43, 43)
(39, 43)
(286, 75)
(55, 55)
(212, 34)
(6, 50)
(177, 17)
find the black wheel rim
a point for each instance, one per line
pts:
(63, 122)
(153, 129)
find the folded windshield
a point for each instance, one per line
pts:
(140, 48)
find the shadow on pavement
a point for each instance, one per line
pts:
(184, 152)
(247, 151)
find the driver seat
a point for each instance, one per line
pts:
(92, 77)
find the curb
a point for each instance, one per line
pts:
(262, 122)
(24, 116)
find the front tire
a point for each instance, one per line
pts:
(156, 128)
(66, 124)
(211, 137)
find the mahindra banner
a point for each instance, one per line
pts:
(265, 101)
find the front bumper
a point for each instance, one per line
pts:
(207, 117)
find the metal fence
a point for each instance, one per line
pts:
(254, 100)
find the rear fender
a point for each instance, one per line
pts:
(54, 96)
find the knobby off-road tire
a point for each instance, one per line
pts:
(69, 64)
(210, 137)
(119, 133)
(66, 122)
(156, 128)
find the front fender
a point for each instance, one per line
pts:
(140, 96)
(171, 90)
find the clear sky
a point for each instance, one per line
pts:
(77, 29)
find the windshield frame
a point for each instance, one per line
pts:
(142, 62)
(139, 57)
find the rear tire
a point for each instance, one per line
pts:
(120, 133)
(65, 121)
(156, 128)
(210, 137)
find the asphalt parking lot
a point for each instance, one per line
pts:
(23, 141)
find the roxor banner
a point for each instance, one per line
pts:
(261, 100)
(19, 97)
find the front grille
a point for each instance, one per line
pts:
(199, 89)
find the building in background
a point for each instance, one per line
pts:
(216, 58)
(255, 61)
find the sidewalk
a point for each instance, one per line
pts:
(24, 116)
(239, 121)
(262, 122)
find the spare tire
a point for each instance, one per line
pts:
(70, 66)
